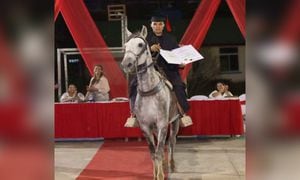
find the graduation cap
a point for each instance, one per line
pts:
(158, 19)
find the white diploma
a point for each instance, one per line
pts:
(182, 55)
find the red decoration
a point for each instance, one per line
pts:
(168, 25)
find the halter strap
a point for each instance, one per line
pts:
(144, 48)
(153, 91)
(142, 68)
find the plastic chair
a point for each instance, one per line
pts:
(199, 97)
(243, 103)
(120, 99)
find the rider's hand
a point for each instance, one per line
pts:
(155, 48)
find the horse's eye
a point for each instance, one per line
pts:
(140, 44)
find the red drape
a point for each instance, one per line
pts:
(198, 27)
(56, 9)
(238, 10)
(87, 36)
(168, 25)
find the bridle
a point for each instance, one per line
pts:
(142, 68)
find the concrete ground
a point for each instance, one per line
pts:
(201, 158)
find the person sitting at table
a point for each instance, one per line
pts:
(221, 91)
(98, 89)
(227, 93)
(72, 95)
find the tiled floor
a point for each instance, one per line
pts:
(72, 157)
(210, 159)
(196, 158)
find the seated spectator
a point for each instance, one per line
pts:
(218, 93)
(227, 93)
(221, 92)
(72, 95)
(98, 89)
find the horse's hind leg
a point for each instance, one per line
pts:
(162, 134)
(172, 142)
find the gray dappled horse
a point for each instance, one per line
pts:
(155, 105)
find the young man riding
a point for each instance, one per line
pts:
(157, 40)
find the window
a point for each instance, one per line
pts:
(229, 59)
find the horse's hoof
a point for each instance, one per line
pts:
(165, 165)
(160, 177)
(172, 169)
(172, 166)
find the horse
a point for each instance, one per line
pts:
(155, 105)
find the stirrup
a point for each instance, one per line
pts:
(131, 122)
(186, 121)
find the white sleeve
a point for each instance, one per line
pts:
(229, 93)
(104, 88)
(211, 94)
(64, 97)
(80, 96)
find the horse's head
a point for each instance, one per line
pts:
(136, 50)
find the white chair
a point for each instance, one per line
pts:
(120, 99)
(199, 97)
(243, 103)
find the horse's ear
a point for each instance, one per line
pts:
(127, 34)
(144, 31)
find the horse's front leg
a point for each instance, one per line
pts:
(151, 144)
(161, 139)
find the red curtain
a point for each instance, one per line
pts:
(238, 10)
(87, 36)
(198, 27)
(56, 9)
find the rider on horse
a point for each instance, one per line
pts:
(157, 40)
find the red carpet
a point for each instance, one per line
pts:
(119, 160)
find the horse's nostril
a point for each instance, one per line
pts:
(129, 65)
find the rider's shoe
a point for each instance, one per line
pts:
(186, 121)
(131, 122)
